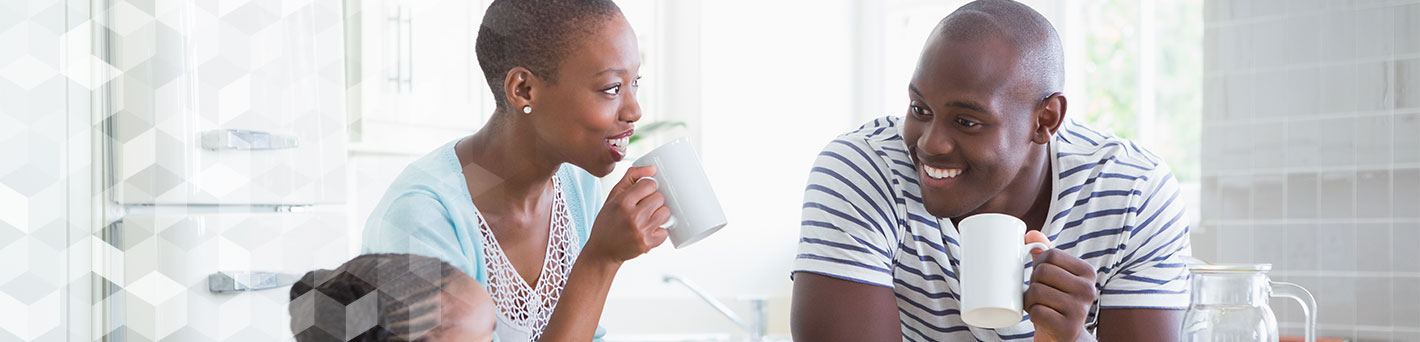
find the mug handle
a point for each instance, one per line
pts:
(1025, 255)
(670, 222)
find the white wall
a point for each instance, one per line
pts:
(776, 86)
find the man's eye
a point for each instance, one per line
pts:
(965, 123)
(918, 111)
(616, 89)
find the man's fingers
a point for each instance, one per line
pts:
(1036, 236)
(1067, 262)
(1060, 280)
(1043, 315)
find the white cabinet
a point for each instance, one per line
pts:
(169, 262)
(413, 66)
(237, 109)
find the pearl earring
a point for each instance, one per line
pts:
(527, 109)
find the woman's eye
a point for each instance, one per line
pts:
(965, 123)
(616, 89)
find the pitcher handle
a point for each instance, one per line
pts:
(1293, 291)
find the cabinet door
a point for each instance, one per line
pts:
(444, 73)
(418, 66)
(376, 54)
(242, 108)
(168, 260)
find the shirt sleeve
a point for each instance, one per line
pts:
(846, 231)
(418, 223)
(1152, 273)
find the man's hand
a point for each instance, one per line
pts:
(1062, 288)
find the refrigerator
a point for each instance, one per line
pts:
(224, 165)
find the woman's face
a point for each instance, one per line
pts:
(586, 117)
(467, 313)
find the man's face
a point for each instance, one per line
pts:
(968, 126)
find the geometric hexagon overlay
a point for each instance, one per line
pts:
(169, 63)
(33, 145)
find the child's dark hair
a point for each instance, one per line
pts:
(372, 298)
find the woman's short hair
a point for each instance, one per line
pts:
(371, 298)
(534, 34)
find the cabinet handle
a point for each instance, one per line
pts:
(238, 139)
(406, 15)
(246, 281)
(396, 39)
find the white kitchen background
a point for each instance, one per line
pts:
(1295, 122)
(1311, 156)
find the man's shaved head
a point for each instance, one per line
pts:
(1034, 39)
(984, 102)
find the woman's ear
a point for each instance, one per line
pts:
(517, 88)
(1048, 118)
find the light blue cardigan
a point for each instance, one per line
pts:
(428, 211)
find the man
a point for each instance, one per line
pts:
(986, 132)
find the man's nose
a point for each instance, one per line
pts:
(936, 141)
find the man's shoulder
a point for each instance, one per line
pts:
(874, 153)
(878, 141)
(1084, 153)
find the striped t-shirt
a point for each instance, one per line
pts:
(1117, 207)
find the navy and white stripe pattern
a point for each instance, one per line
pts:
(1117, 207)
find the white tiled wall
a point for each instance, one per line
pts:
(1311, 156)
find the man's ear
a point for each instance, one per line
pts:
(517, 88)
(1049, 116)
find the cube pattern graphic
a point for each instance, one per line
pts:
(148, 78)
(36, 218)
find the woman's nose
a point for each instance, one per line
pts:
(630, 109)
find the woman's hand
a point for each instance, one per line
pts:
(630, 221)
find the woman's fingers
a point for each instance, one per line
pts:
(631, 178)
(637, 193)
(657, 236)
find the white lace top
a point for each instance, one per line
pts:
(523, 310)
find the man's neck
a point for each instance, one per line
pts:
(1027, 197)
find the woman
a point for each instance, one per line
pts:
(516, 204)
(390, 297)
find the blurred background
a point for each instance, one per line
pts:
(152, 148)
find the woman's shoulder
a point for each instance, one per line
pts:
(424, 211)
(427, 186)
(437, 172)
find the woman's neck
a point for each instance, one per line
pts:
(505, 166)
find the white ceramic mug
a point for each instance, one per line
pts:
(695, 211)
(992, 269)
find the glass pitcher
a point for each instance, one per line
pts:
(1229, 303)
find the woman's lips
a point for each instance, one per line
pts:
(618, 147)
(617, 144)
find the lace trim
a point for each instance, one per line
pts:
(524, 305)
